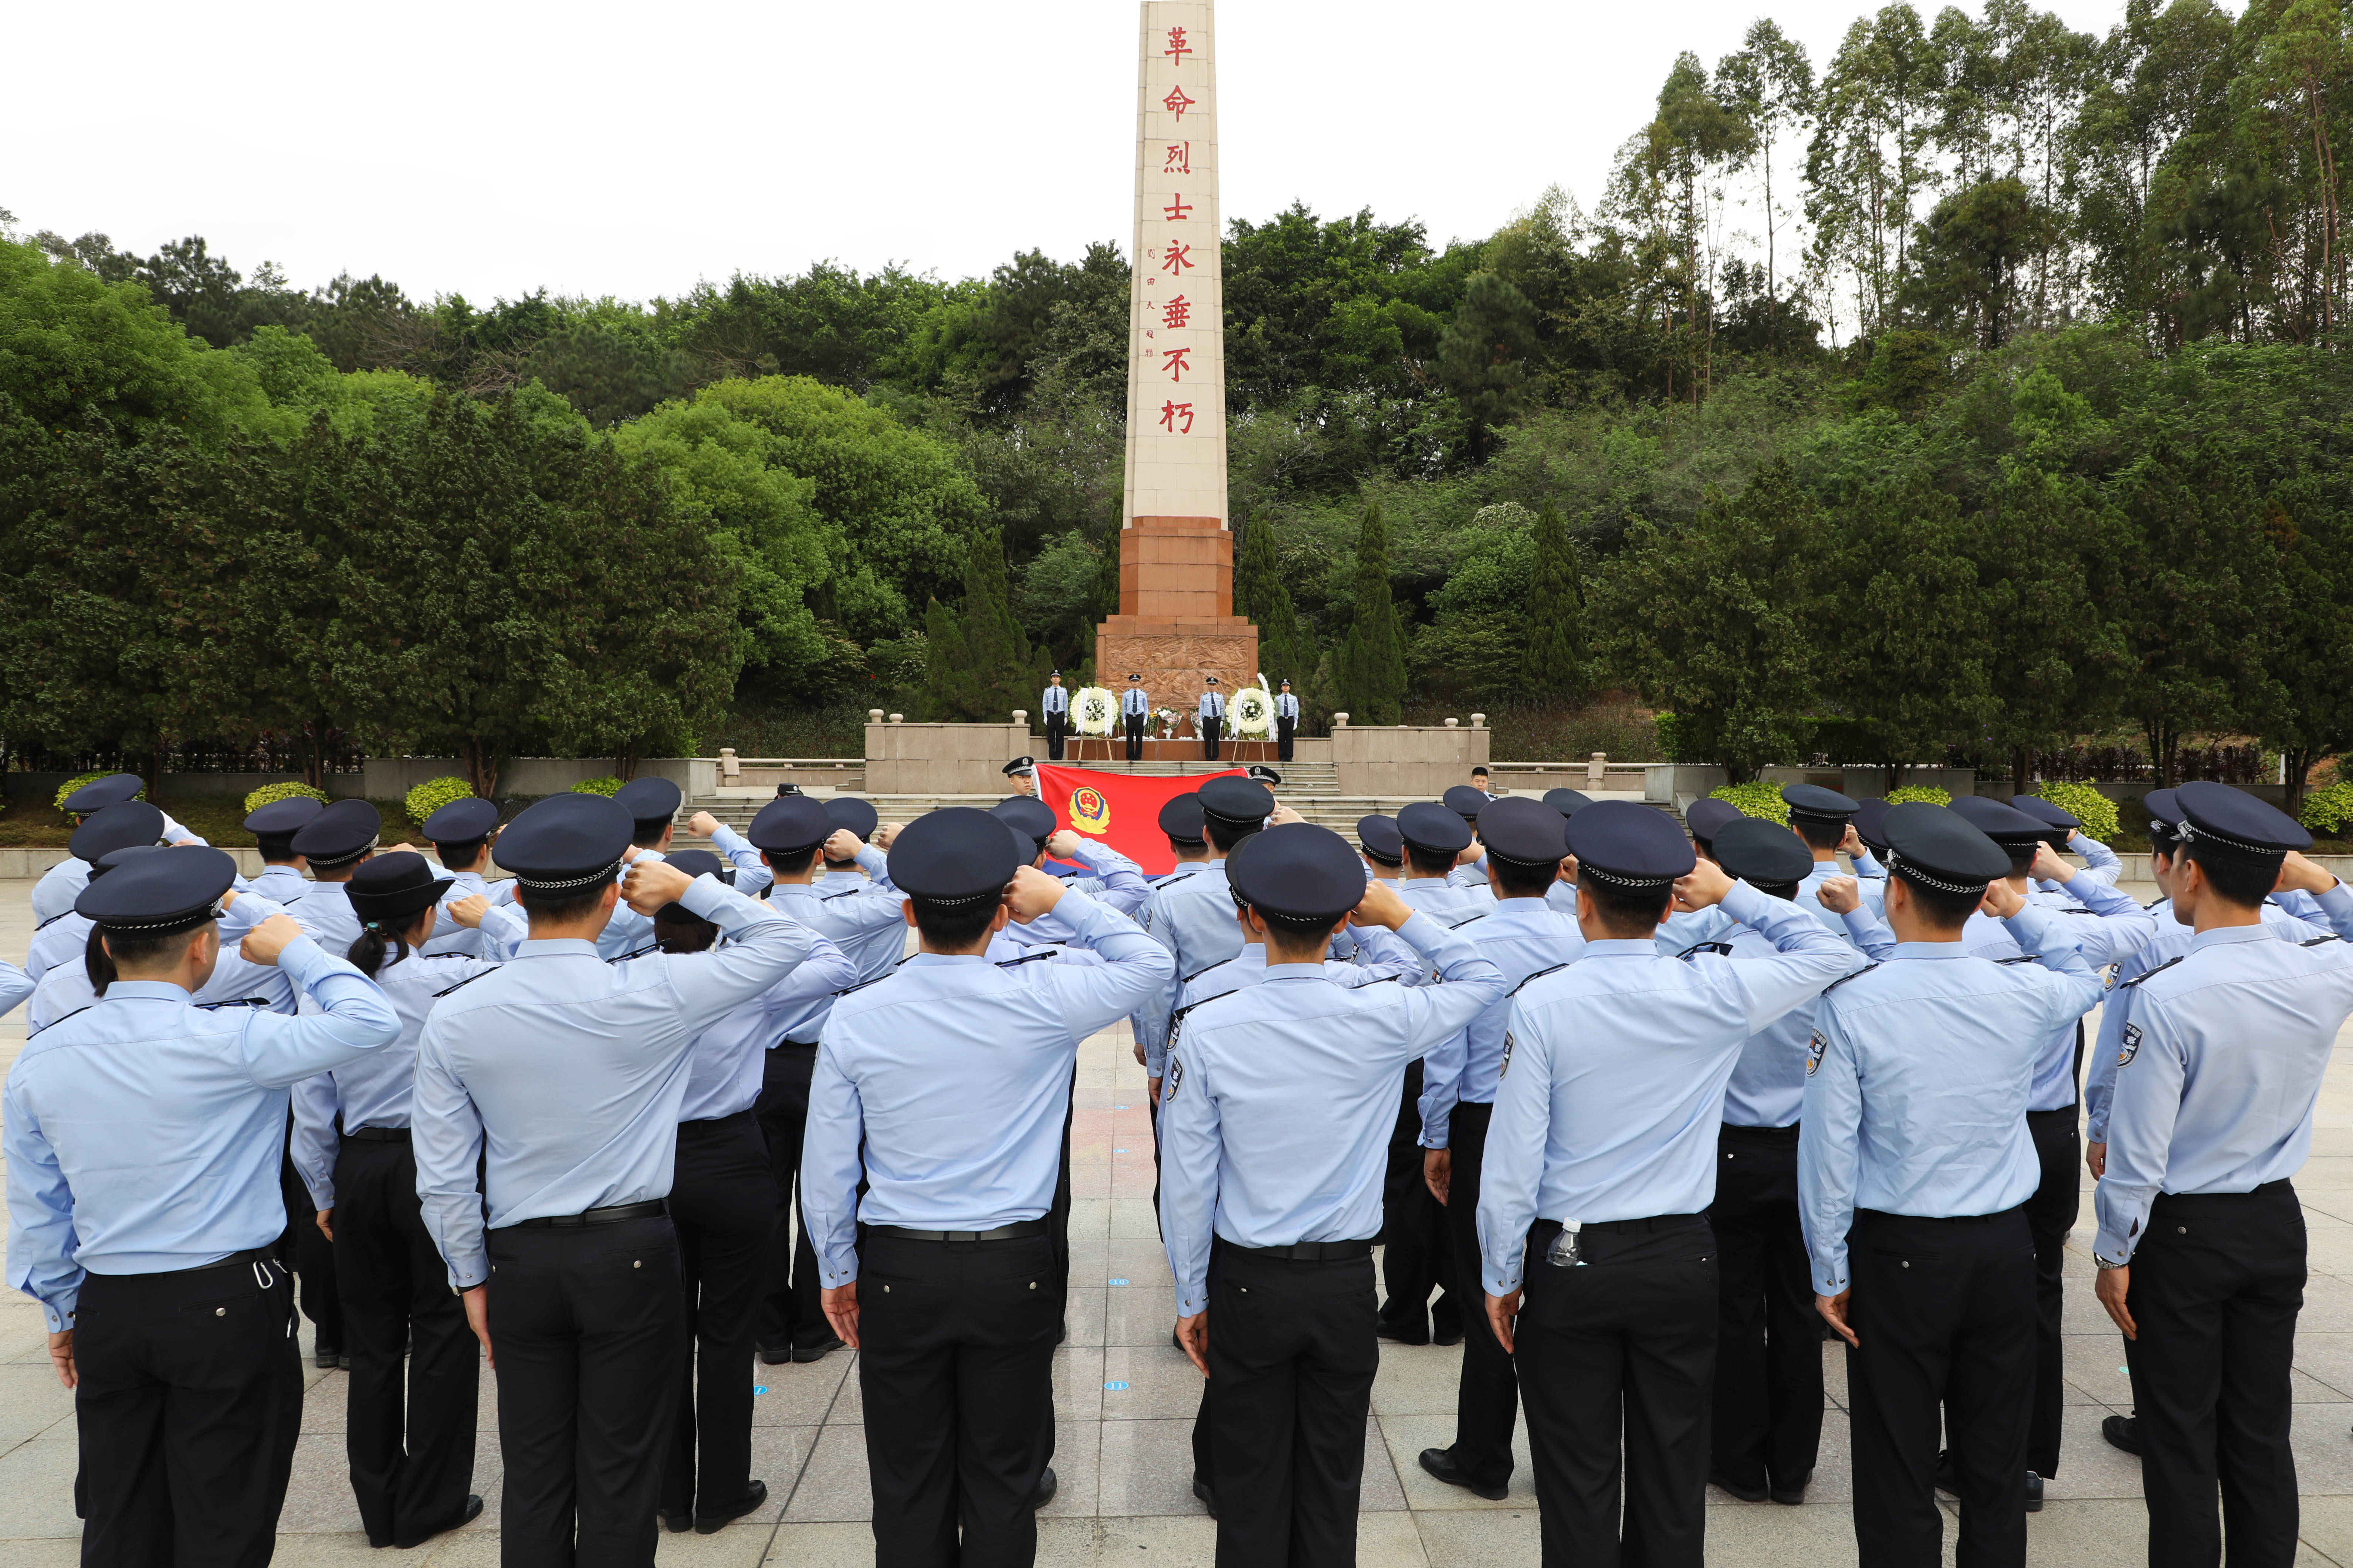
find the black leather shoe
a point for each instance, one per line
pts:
(1207, 1495)
(1440, 1462)
(775, 1355)
(1048, 1485)
(472, 1511)
(676, 1519)
(818, 1352)
(1447, 1336)
(1417, 1334)
(327, 1358)
(712, 1523)
(2033, 1492)
(1745, 1494)
(2122, 1432)
(1948, 1474)
(343, 1359)
(1793, 1496)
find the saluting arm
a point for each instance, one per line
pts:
(354, 1017)
(1470, 983)
(762, 947)
(1134, 967)
(2069, 985)
(1810, 954)
(1124, 886)
(2122, 927)
(2101, 862)
(752, 873)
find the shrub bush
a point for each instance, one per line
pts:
(1755, 799)
(2096, 811)
(1928, 793)
(291, 790)
(607, 785)
(433, 795)
(2326, 810)
(76, 783)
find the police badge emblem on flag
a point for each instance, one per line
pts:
(1814, 1049)
(2131, 1047)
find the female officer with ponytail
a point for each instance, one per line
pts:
(412, 1467)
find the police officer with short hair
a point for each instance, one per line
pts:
(1135, 712)
(1467, 801)
(1209, 716)
(943, 1088)
(1286, 723)
(62, 939)
(273, 827)
(460, 833)
(564, 1074)
(142, 1137)
(1054, 707)
(1193, 917)
(652, 805)
(2201, 1241)
(2102, 861)
(859, 819)
(1279, 1106)
(1383, 846)
(54, 893)
(1914, 1166)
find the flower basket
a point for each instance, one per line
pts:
(1253, 711)
(1097, 711)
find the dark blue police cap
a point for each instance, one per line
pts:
(99, 794)
(955, 855)
(1237, 802)
(1760, 852)
(1524, 832)
(1707, 818)
(855, 817)
(340, 834)
(1381, 839)
(1871, 823)
(567, 842)
(1433, 830)
(2041, 810)
(1464, 801)
(158, 895)
(1029, 815)
(1629, 848)
(694, 863)
(116, 826)
(1816, 804)
(390, 890)
(282, 819)
(1180, 819)
(1568, 801)
(2218, 819)
(1938, 846)
(649, 801)
(2005, 825)
(1298, 874)
(786, 826)
(1019, 765)
(2164, 817)
(1265, 775)
(461, 822)
(114, 858)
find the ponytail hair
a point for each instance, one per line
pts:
(367, 953)
(97, 963)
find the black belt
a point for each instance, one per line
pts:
(612, 1215)
(711, 1126)
(254, 1255)
(2281, 1185)
(1940, 1218)
(378, 1135)
(1016, 1231)
(2068, 1110)
(1546, 1229)
(1309, 1251)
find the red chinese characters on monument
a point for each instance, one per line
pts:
(1177, 48)
(1179, 160)
(1176, 312)
(1172, 412)
(1176, 363)
(1176, 208)
(1177, 103)
(1177, 258)
(1174, 256)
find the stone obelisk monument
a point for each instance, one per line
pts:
(1177, 623)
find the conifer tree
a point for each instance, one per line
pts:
(1261, 595)
(1554, 669)
(1372, 660)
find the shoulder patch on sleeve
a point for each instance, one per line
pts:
(1176, 1076)
(1505, 1071)
(2128, 1045)
(1539, 974)
(2158, 970)
(1814, 1049)
(1843, 980)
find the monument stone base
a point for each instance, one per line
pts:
(1176, 578)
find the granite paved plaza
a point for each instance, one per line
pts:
(1127, 1401)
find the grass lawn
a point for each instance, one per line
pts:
(31, 821)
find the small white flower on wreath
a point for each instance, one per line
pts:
(1097, 711)
(1252, 709)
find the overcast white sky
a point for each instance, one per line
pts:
(490, 147)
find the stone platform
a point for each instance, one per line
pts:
(1175, 625)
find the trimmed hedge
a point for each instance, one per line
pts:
(2326, 810)
(433, 795)
(607, 785)
(2096, 811)
(288, 791)
(1755, 799)
(76, 783)
(1928, 793)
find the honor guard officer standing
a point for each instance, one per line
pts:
(1286, 723)
(568, 1072)
(1602, 1152)
(1279, 1104)
(1193, 917)
(723, 1203)
(1765, 1429)
(1054, 707)
(2202, 1242)
(54, 893)
(460, 833)
(1915, 1163)
(62, 939)
(142, 1137)
(1210, 717)
(408, 1431)
(943, 1088)
(273, 827)
(1135, 709)
(1523, 935)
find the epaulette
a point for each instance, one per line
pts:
(1458, 925)
(1205, 969)
(1693, 950)
(2315, 942)
(58, 1019)
(846, 893)
(468, 981)
(2158, 970)
(236, 1002)
(1177, 1018)
(1028, 958)
(1539, 974)
(864, 984)
(52, 920)
(640, 952)
(1845, 978)
(2021, 958)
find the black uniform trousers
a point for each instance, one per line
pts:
(1057, 725)
(1487, 1402)
(305, 1250)
(1284, 734)
(190, 1400)
(408, 1431)
(1281, 1432)
(956, 1368)
(585, 1324)
(2050, 1214)
(1945, 1308)
(2217, 1281)
(1132, 723)
(790, 1312)
(721, 1202)
(1416, 1255)
(1209, 728)
(1616, 1357)
(1769, 1338)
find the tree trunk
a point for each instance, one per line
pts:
(625, 765)
(2298, 762)
(2019, 770)
(1895, 772)
(482, 769)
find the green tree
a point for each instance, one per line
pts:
(1482, 358)
(2311, 715)
(1262, 598)
(1554, 667)
(1770, 84)
(1974, 254)
(979, 666)
(1370, 671)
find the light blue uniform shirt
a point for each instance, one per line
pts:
(1919, 1079)
(1276, 1113)
(144, 1135)
(234, 979)
(1452, 906)
(62, 883)
(62, 992)
(1623, 1059)
(1521, 937)
(61, 939)
(377, 1089)
(2222, 1056)
(946, 1085)
(1193, 917)
(1380, 956)
(731, 1057)
(628, 933)
(1054, 699)
(2100, 864)
(281, 885)
(1767, 1088)
(448, 936)
(571, 1071)
(2105, 926)
(1136, 702)
(2172, 941)
(1472, 875)
(1211, 706)
(1117, 884)
(15, 985)
(859, 914)
(326, 913)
